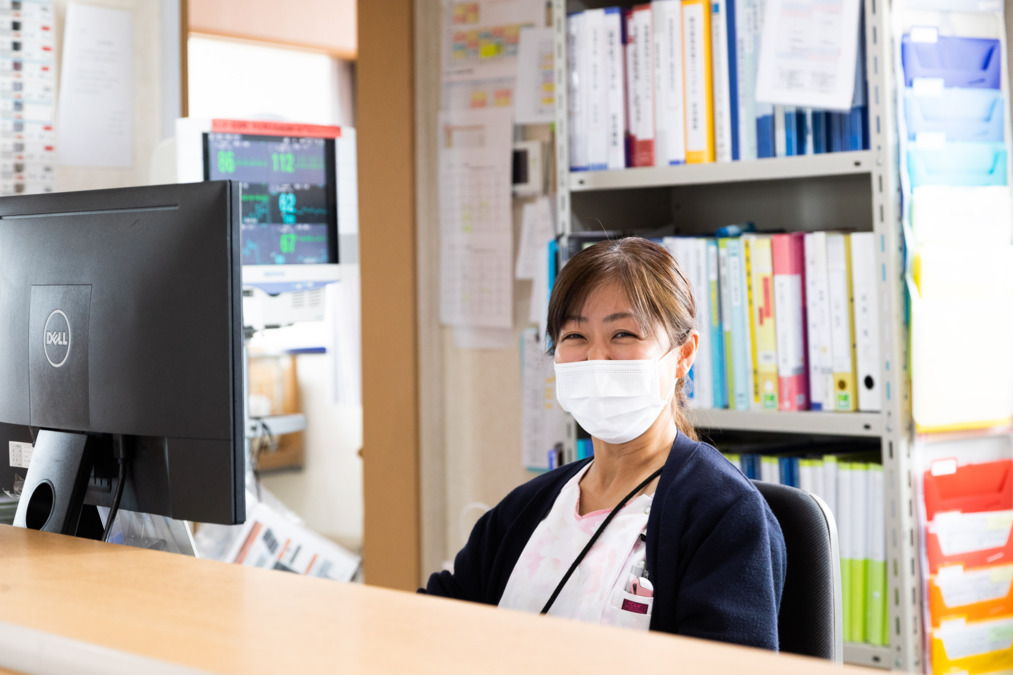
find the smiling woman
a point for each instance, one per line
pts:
(657, 530)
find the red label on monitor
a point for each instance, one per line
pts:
(266, 128)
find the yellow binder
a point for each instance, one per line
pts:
(699, 82)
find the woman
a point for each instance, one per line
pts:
(657, 530)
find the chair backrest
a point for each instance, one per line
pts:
(810, 621)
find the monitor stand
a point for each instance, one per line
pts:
(53, 494)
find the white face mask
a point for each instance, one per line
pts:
(614, 401)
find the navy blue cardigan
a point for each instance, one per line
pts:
(715, 553)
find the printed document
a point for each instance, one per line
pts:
(476, 232)
(808, 52)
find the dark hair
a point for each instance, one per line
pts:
(655, 286)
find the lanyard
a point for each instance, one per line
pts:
(594, 538)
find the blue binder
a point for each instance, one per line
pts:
(960, 164)
(819, 132)
(764, 130)
(958, 61)
(959, 114)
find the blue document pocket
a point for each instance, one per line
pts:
(958, 114)
(957, 61)
(961, 164)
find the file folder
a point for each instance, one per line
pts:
(969, 489)
(958, 164)
(956, 114)
(972, 595)
(951, 216)
(970, 287)
(957, 61)
(969, 539)
(973, 648)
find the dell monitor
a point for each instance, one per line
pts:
(121, 346)
(299, 204)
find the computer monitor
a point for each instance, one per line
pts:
(300, 194)
(122, 337)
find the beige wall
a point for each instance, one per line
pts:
(328, 25)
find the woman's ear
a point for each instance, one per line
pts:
(687, 355)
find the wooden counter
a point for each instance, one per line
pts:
(113, 601)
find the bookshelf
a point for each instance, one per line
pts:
(857, 191)
(777, 168)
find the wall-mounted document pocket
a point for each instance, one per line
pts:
(955, 115)
(972, 488)
(958, 164)
(941, 214)
(972, 595)
(973, 648)
(956, 61)
(969, 539)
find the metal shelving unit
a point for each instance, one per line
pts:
(872, 178)
(806, 422)
(836, 164)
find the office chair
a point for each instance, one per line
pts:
(810, 620)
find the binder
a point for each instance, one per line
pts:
(973, 595)
(643, 87)
(860, 520)
(974, 115)
(955, 61)
(971, 488)
(725, 288)
(723, 68)
(615, 89)
(703, 365)
(770, 470)
(790, 321)
(780, 132)
(762, 322)
(745, 63)
(819, 132)
(972, 647)
(969, 539)
(576, 36)
(829, 494)
(696, 44)
(596, 91)
(717, 333)
(846, 522)
(747, 248)
(877, 625)
(947, 215)
(765, 145)
(741, 387)
(864, 288)
(958, 164)
(629, 88)
(670, 125)
(820, 348)
(842, 333)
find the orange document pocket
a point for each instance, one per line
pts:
(969, 539)
(972, 648)
(972, 595)
(972, 488)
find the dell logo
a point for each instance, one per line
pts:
(57, 338)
